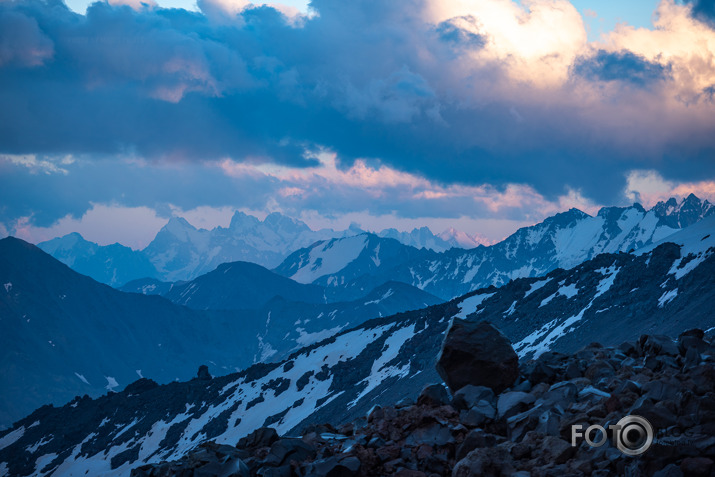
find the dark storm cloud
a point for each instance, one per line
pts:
(363, 78)
(47, 197)
(703, 10)
(620, 66)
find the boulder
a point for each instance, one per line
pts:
(696, 466)
(513, 402)
(334, 467)
(657, 345)
(485, 461)
(261, 437)
(433, 395)
(470, 395)
(287, 449)
(477, 414)
(478, 354)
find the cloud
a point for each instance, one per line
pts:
(648, 187)
(22, 43)
(483, 96)
(620, 66)
(703, 10)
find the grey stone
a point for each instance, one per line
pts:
(434, 395)
(470, 395)
(510, 403)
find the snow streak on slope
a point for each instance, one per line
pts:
(697, 243)
(225, 409)
(329, 257)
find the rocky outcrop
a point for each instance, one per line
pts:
(526, 430)
(477, 353)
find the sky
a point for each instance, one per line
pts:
(482, 115)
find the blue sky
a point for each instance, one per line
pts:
(483, 115)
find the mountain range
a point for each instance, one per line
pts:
(560, 241)
(663, 288)
(182, 252)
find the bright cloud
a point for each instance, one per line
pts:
(536, 40)
(649, 187)
(424, 109)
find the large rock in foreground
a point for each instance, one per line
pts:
(478, 354)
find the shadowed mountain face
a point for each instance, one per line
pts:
(241, 285)
(291, 314)
(65, 334)
(611, 298)
(111, 264)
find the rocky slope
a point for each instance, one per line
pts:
(526, 430)
(381, 362)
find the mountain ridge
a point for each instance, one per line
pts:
(181, 252)
(378, 362)
(560, 241)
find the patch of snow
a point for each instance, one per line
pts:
(667, 297)
(326, 258)
(546, 300)
(697, 243)
(387, 294)
(569, 291)
(511, 309)
(470, 305)
(380, 371)
(82, 378)
(111, 383)
(265, 350)
(376, 258)
(605, 284)
(33, 448)
(43, 461)
(148, 288)
(11, 437)
(139, 373)
(541, 340)
(307, 339)
(536, 285)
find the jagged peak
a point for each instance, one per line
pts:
(178, 226)
(276, 219)
(611, 212)
(240, 220)
(673, 205)
(566, 217)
